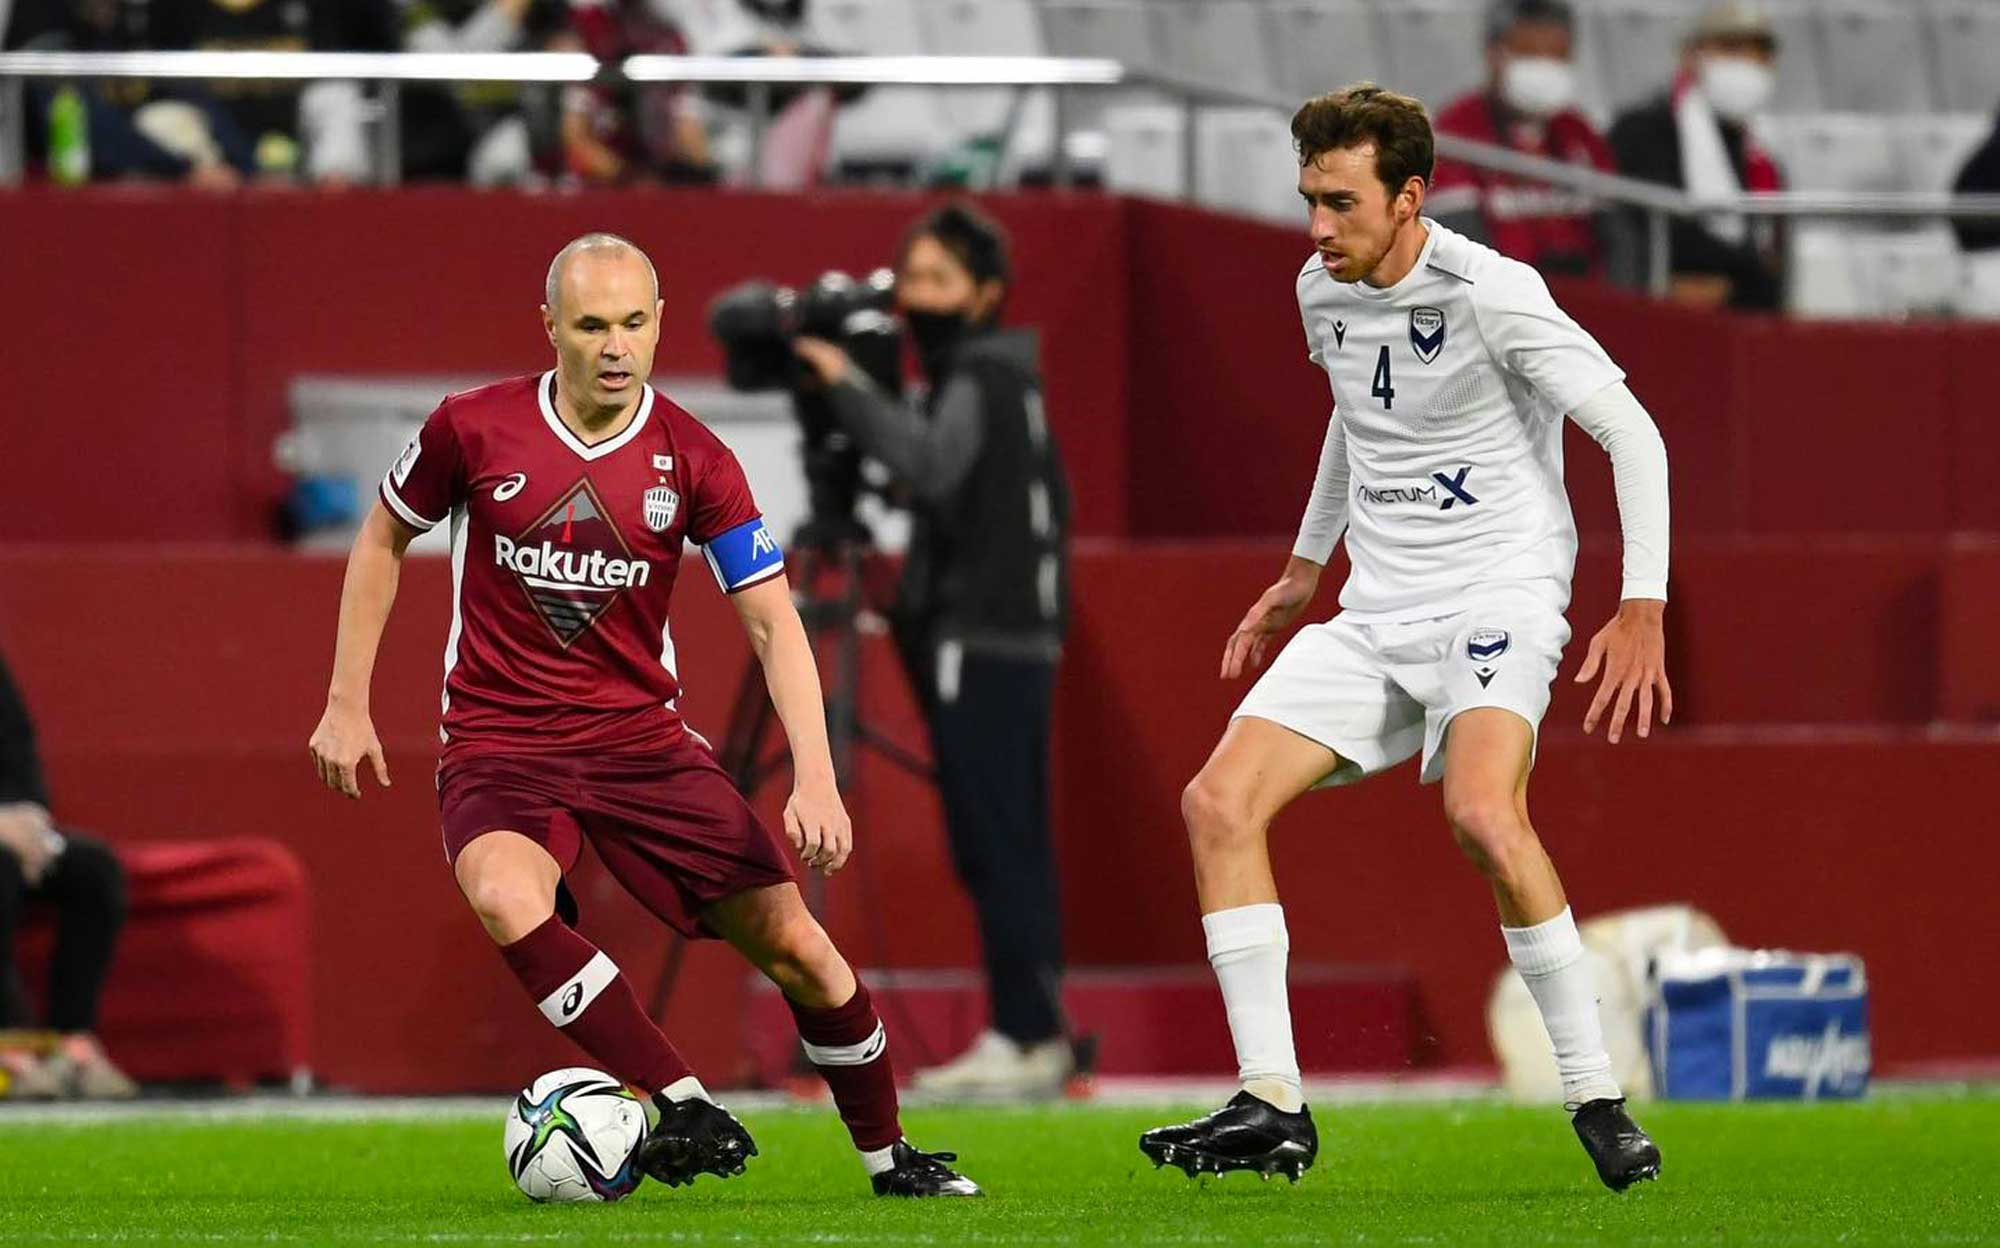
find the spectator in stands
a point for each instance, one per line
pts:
(132, 129)
(632, 134)
(81, 879)
(1697, 137)
(477, 132)
(1980, 240)
(1529, 105)
(318, 131)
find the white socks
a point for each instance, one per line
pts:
(684, 1087)
(1549, 957)
(1247, 946)
(878, 1160)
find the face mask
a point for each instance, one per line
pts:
(1540, 86)
(934, 334)
(1737, 88)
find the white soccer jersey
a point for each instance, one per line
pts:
(1450, 389)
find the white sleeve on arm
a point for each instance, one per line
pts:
(1326, 510)
(1621, 426)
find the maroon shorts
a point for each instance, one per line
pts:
(669, 825)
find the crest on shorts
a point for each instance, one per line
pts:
(1485, 645)
(1482, 647)
(662, 504)
(1427, 332)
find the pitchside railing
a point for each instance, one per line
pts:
(1065, 77)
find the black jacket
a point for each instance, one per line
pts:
(988, 564)
(20, 767)
(1646, 143)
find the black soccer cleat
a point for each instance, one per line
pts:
(694, 1137)
(918, 1173)
(1246, 1134)
(1622, 1152)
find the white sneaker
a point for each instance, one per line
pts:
(996, 1068)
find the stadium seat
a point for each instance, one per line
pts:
(890, 127)
(1874, 272)
(1834, 151)
(1876, 57)
(1118, 29)
(1801, 75)
(994, 28)
(1636, 45)
(1435, 48)
(1934, 148)
(1215, 41)
(1967, 37)
(1318, 45)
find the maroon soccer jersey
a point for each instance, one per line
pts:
(563, 559)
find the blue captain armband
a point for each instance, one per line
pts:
(744, 555)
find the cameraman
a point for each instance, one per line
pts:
(979, 617)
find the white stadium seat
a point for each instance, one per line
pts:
(1215, 41)
(1118, 29)
(889, 125)
(994, 28)
(1876, 57)
(1935, 147)
(1318, 45)
(1834, 151)
(1637, 44)
(1244, 161)
(1967, 37)
(1801, 45)
(1435, 48)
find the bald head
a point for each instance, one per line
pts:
(594, 247)
(602, 316)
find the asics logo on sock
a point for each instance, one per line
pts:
(572, 998)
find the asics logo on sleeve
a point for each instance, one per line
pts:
(1447, 491)
(510, 487)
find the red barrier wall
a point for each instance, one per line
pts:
(1176, 368)
(176, 686)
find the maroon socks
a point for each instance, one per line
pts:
(580, 989)
(846, 1044)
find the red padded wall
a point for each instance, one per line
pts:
(176, 688)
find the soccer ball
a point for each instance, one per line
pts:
(574, 1134)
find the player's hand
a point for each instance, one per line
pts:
(344, 737)
(827, 361)
(816, 823)
(1632, 650)
(1271, 614)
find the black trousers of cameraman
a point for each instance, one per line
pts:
(989, 724)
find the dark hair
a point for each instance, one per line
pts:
(1365, 113)
(1504, 15)
(974, 239)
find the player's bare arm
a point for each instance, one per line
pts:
(1270, 615)
(1631, 649)
(815, 819)
(346, 732)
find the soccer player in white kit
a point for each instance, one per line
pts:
(1452, 370)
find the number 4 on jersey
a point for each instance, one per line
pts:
(1382, 389)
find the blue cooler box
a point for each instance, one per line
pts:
(1744, 1024)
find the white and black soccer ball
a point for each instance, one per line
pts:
(574, 1134)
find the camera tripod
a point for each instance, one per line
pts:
(838, 616)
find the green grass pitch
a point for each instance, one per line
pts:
(1907, 1170)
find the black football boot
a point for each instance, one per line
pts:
(1246, 1134)
(694, 1137)
(1622, 1152)
(917, 1173)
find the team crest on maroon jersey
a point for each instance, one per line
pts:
(662, 504)
(572, 562)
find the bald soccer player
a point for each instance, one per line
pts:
(569, 494)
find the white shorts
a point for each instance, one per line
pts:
(1377, 693)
